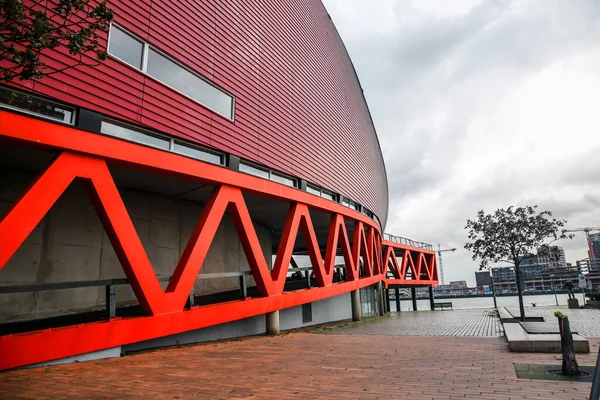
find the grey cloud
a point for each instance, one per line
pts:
(429, 78)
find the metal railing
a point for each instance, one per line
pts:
(406, 241)
(110, 284)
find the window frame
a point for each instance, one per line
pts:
(140, 131)
(132, 36)
(170, 141)
(52, 103)
(146, 47)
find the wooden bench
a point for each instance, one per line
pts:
(443, 305)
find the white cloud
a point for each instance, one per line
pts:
(480, 105)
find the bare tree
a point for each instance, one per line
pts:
(510, 235)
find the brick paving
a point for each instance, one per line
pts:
(305, 366)
(474, 322)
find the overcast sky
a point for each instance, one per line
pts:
(480, 105)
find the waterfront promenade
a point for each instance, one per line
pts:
(375, 359)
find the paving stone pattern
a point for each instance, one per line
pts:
(475, 322)
(584, 321)
(304, 366)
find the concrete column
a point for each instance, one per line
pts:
(431, 302)
(356, 309)
(397, 292)
(413, 290)
(272, 320)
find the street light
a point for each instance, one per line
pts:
(440, 250)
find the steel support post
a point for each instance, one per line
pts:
(111, 302)
(387, 300)
(380, 299)
(243, 286)
(431, 301)
(397, 293)
(414, 297)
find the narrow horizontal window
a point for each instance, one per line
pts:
(313, 190)
(189, 84)
(125, 47)
(132, 135)
(197, 153)
(283, 179)
(328, 195)
(142, 56)
(252, 170)
(36, 106)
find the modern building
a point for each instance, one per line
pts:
(217, 175)
(595, 242)
(534, 277)
(553, 256)
(483, 279)
(458, 284)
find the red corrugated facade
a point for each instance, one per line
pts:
(299, 106)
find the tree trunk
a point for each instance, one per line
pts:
(520, 292)
(569, 363)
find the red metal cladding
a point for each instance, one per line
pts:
(299, 104)
(85, 155)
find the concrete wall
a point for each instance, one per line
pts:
(70, 244)
(328, 310)
(331, 309)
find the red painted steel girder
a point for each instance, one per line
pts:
(85, 156)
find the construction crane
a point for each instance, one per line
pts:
(591, 255)
(440, 250)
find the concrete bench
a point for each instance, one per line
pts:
(443, 305)
(519, 340)
(512, 314)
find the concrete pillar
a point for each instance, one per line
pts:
(397, 292)
(413, 290)
(431, 301)
(272, 320)
(356, 309)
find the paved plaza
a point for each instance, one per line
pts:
(351, 361)
(476, 322)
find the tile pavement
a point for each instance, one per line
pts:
(305, 365)
(473, 322)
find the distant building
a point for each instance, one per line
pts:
(554, 257)
(530, 259)
(483, 278)
(534, 277)
(458, 285)
(595, 239)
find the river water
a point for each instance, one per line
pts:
(488, 302)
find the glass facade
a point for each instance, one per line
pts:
(368, 301)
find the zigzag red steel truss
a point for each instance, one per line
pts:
(86, 156)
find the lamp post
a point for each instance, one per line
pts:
(440, 250)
